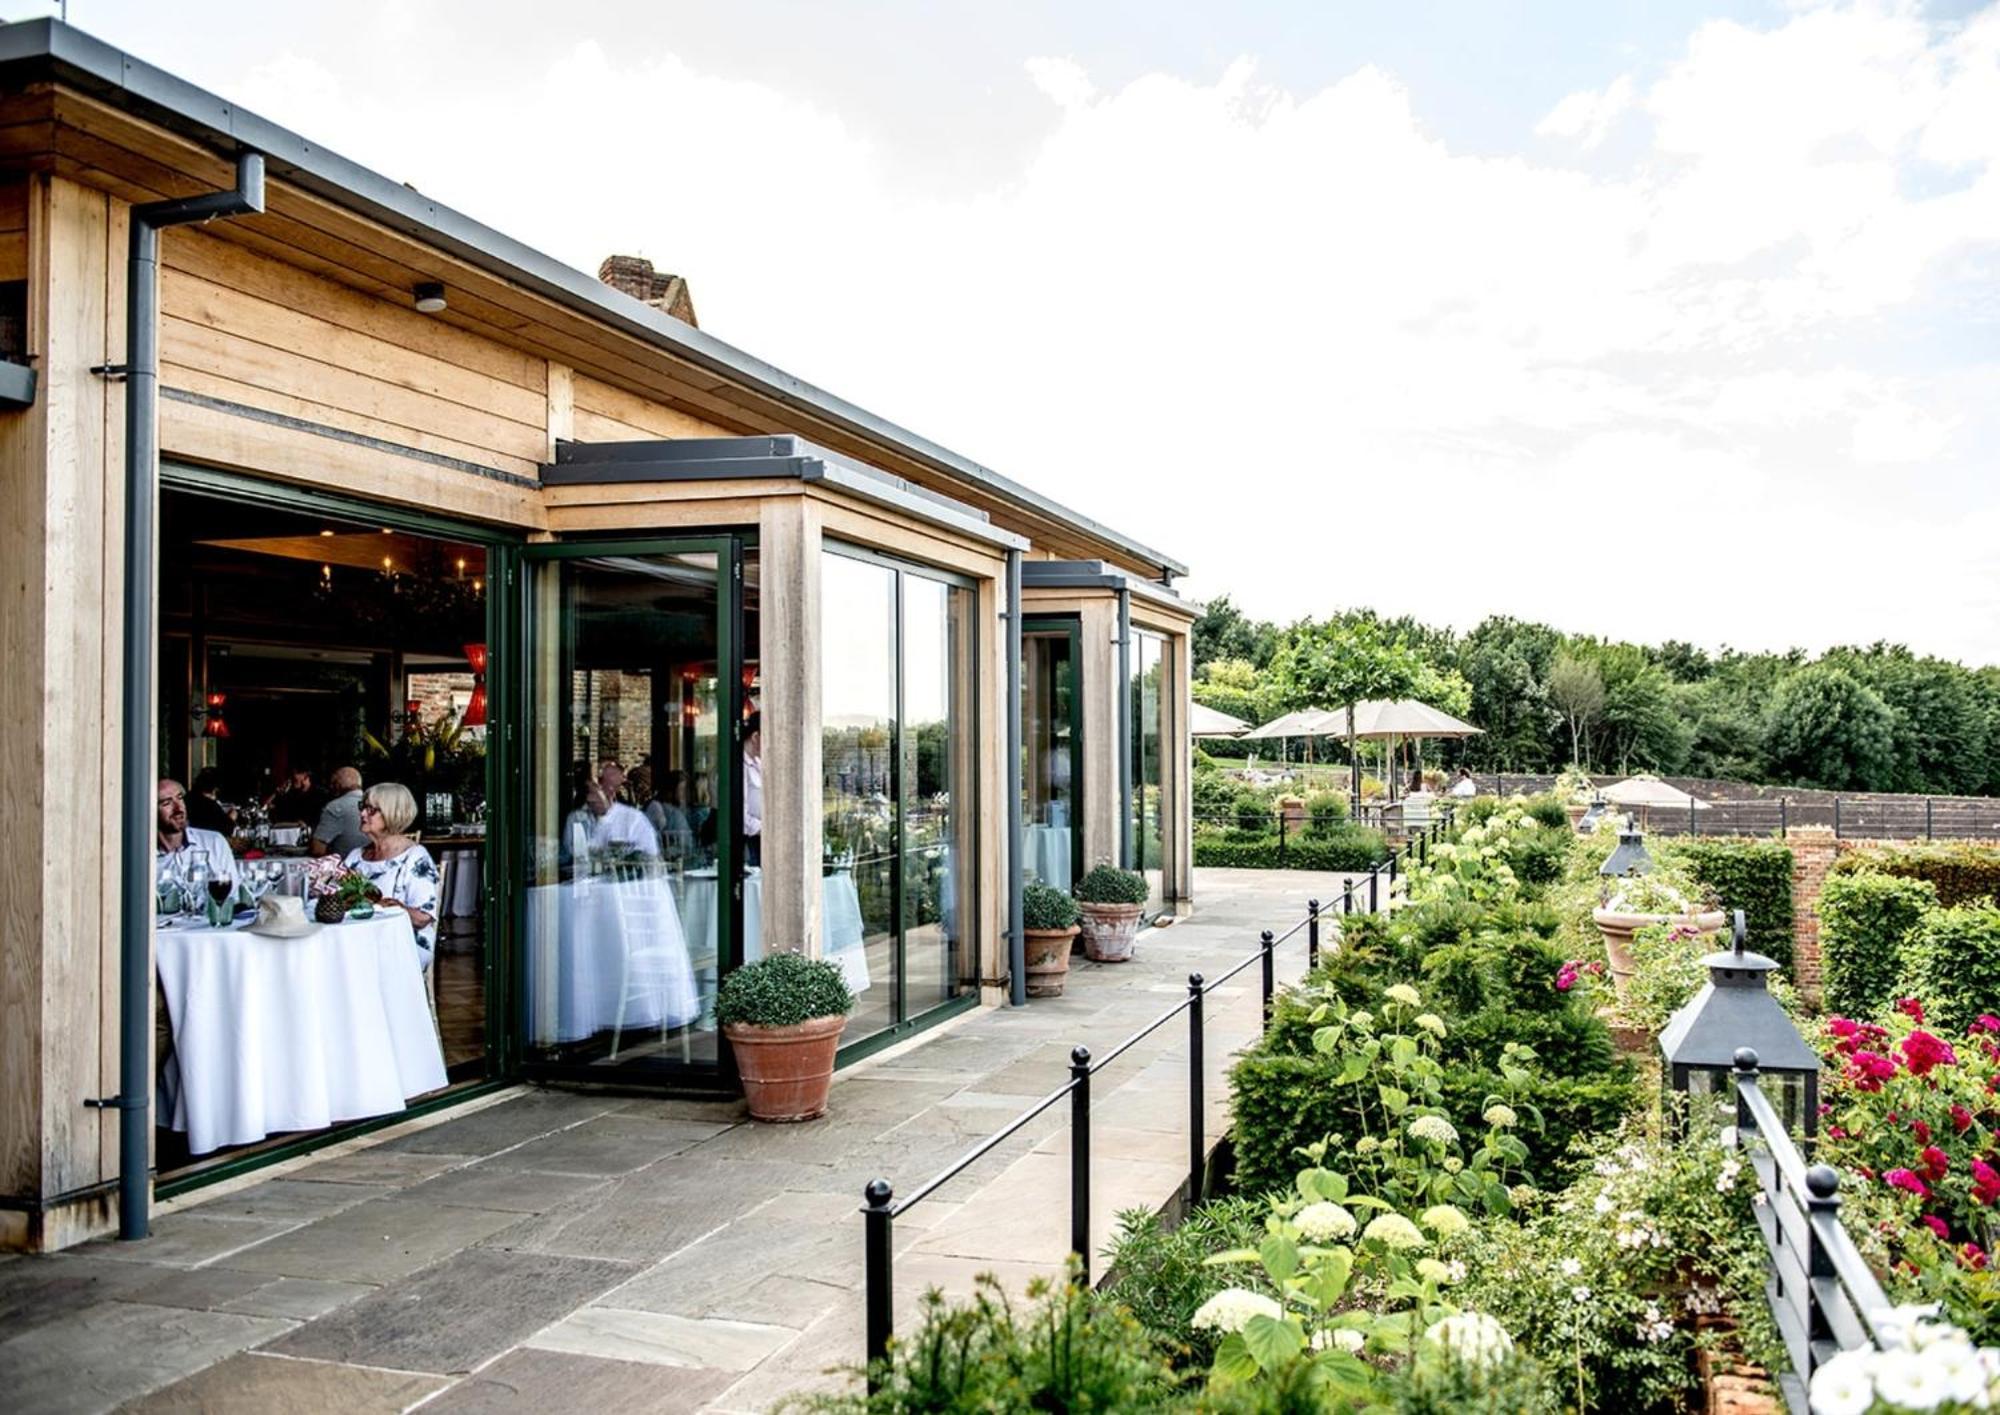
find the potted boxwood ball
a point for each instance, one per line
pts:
(783, 1016)
(1048, 923)
(1110, 901)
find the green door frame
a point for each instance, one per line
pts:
(502, 769)
(728, 552)
(1072, 625)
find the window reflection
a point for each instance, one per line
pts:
(1053, 817)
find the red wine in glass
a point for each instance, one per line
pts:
(220, 889)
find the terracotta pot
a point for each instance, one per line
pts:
(1048, 959)
(1110, 931)
(787, 1071)
(1617, 926)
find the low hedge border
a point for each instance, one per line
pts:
(1962, 873)
(1754, 876)
(1350, 849)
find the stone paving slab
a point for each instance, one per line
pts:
(552, 1250)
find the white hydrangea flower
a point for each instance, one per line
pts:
(1570, 1267)
(1347, 1339)
(1365, 1021)
(1433, 1127)
(1232, 1308)
(1403, 993)
(1472, 1337)
(1393, 1231)
(1453, 1164)
(1431, 1270)
(1446, 1220)
(1324, 1222)
(1909, 1378)
(1500, 1116)
(1845, 1385)
(1431, 1023)
(1603, 1204)
(1580, 1294)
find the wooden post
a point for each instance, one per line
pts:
(789, 671)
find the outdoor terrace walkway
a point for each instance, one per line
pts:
(558, 1251)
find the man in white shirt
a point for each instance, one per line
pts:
(181, 845)
(612, 825)
(753, 790)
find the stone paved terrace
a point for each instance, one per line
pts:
(559, 1251)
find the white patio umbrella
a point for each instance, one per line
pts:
(1205, 721)
(1305, 722)
(1391, 719)
(1647, 794)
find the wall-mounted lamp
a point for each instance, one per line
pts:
(475, 708)
(430, 297)
(208, 717)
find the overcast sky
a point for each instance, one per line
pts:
(1644, 319)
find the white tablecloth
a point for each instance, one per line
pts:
(839, 912)
(1045, 855)
(278, 1034)
(607, 954)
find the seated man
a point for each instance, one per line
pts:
(339, 830)
(181, 845)
(604, 829)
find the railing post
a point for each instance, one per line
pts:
(1268, 942)
(1693, 829)
(1374, 896)
(1782, 823)
(1079, 1160)
(1822, 1200)
(1927, 818)
(1312, 934)
(878, 1226)
(1392, 870)
(1424, 847)
(1347, 898)
(1746, 1074)
(1197, 1147)
(1836, 818)
(1282, 832)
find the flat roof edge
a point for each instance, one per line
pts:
(159, 96)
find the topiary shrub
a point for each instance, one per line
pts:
(1254, 814)
(1349, 849)
(782, 990)
(1951, 960)
(1107, 884)
(1046, 909)
(1864, 917)
(1326, 813)
(1962, 873)
(1754, 876)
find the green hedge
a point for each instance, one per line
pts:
(1951, 961)
(1347, 849)
(1963, 874)
(1864, 917)
(1754, 876)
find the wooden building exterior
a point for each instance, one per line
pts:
(297, 377)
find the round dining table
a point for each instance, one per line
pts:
(840, 920)
(282, 1034)
(607, 953)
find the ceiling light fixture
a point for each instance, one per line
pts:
(430, 297)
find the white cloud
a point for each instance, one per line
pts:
(1299, 341)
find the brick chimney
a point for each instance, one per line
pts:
(634, 275)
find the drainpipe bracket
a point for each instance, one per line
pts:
(115, 1102)
(112, 371)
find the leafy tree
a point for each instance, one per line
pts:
(1828, 729)
(1234, 686)
(1576, 690)
(1682, 662)
(1224, 631)
(1640, 725)
(1338, 664)
(1505, 664)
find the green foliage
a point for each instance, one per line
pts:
(1349, 849)
(1161, 1275)
(1952, 961)
(1827, 728)
(1752, 875)
(1044, 907)
(1961, 873)
(1342, 662)
(1107, 884)
(1864, 916)
(783, 990)
(1224, 632)
(1326, 813)
(1070, 1350)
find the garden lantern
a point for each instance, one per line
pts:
(1630, 858)
(1734, 1011)
(1587, 824)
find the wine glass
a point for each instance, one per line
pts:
(197, 882)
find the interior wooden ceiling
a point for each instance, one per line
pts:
(51, 127)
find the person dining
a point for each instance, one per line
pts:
(339, 831)
(753, 789)
(667, 812)
(602, 826)
(181, 845)
(299, 802)
(205, 810)
(396, 863)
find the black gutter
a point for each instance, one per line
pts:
(47, 48)
(1017, 941)
(141, 371)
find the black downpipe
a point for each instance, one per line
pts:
(142, 486)
(1125, 850)
(1017, 941)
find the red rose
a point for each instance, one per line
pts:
(1973, 1256)
(1961, 1119)
(1921, 1131)
(1923, 1051)
(1985, 1022)
(1907, 1180)
(1936, 1225)
(1910, 1007)
(1936, 1163)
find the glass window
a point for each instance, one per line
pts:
(1051, 777)
(1152, 673)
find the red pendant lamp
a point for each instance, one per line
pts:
(475, 710)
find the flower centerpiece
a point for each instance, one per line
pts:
(342, 892)
(783, 1016)
(1110, 901)
(1048, 923)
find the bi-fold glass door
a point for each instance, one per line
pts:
(1052, 751)
(631, 882)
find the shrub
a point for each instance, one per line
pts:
(1963, 874)
(1214, 795)
(1162, 1275)
(1952, 961)
(1349, 849)
(1863, 919)
(1107, 884)
(783, 990)
(1046, 908)
(1666, 972)
(1754, 876)
(1254, 814)
(1326, 813)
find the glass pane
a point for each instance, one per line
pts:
(938, 807)
(751, 767)
(624, 913)
(1052, 814)
(1149, 674)
(858, 720)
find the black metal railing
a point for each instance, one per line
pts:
(881, 1208)
(1821, 1292)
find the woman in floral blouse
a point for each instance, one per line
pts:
(396, 864)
